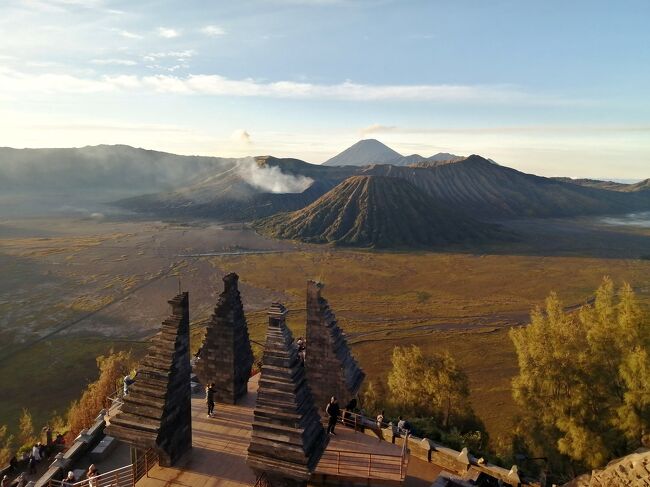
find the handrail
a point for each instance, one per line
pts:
(125, 476)
(377, 467)
(118, 477)
(262, 481)
(362, 453)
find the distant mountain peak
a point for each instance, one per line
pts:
(364, 152)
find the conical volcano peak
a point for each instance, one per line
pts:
(364, 152)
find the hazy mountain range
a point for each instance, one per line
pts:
(431, 192)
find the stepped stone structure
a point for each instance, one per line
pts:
(288, 438)
(226, 354)
(331, 368)
(156, 412)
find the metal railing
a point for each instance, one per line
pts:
(126, 476)
(262, 481)
(143, 463)
(347, 463)
(120, 477)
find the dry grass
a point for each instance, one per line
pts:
(469, 301)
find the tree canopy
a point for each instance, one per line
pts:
(583, 378)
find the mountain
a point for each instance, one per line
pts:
(251, 188)
(377, 212)
(102, 167)
(609, 185)
(369, 151)
(484, 189)
(445, 156)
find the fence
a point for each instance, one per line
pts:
(353, 464)
(126, 476)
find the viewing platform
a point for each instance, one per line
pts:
(220, 443)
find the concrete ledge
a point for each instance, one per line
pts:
(86, 440)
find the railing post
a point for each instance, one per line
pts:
(146, 463)
(369, 464)
(355, 423)
(338, 462)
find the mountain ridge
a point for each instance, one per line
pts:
(377, 212)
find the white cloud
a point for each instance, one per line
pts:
(241, 136)
(168, 33)
(522, 129)
(179, 55)
(203, 84)
(129, 35)
(213, 31)
(117, 62)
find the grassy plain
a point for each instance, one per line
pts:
(462, 303)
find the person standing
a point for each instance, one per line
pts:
(333, 410)
(209, 398)
(92, 476)
(69, 480)
(5, 481)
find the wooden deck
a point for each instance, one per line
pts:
(219, 445)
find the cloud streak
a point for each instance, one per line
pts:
(213, 31)
(212, 84)
(167, 33)
(524, 129)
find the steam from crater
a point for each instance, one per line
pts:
(272, 179)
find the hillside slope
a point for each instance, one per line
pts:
(377, 212)
(252, 188)
(484, 189)
(102, 167)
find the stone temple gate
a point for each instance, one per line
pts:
(226, 357)
(156, 412)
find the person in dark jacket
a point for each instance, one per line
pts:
(209, 398)
(333, 410)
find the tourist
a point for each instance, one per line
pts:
(21, 481)
(36, 452)
(332, 409)
(127, 382)
(42, 451)
(380, 419)
(92, 476)
(69, 480)
(403, 427)
(5, 481)
(31, 465)
(209, 398)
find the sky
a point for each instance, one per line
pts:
(549, 87)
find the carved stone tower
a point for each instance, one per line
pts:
(331, 367)
(157, 411)
(226, 354)
(288, 438)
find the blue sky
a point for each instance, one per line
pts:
(551, 87)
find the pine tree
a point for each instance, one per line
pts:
(26, 435)
(6, 445)
(583, 380)
(431, 385)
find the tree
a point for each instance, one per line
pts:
(6, 445)
(112, 369)
(582, 380)
(428, 385)
(26, 435)
(370, 398)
